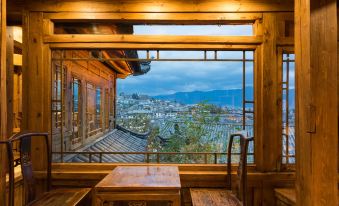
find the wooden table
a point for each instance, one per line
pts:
(139, 185)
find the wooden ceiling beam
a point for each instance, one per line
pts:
(160, 6)
(156, 18)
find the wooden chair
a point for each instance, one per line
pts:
(62, 197)
(225, 197)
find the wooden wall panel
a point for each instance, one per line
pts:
(317, 123)
(3, 98)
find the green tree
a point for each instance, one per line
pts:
(191, 135)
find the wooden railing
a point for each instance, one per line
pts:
(216, 156)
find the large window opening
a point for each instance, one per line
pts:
(189, 102)
(155, 105)
(177, 107)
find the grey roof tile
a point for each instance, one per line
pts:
(115, 141)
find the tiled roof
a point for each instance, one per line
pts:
(115, 141)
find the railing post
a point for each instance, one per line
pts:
(147, 157)
(100, 157)
(215, 158)
(205, 155)
(158, 158)
(62, 157)
(90, 157)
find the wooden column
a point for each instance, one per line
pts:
(316, 106)
(268, 98)
(36, 83)
(9, 78)
(268, 120)
(3, 100)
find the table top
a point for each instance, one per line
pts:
(124, 178)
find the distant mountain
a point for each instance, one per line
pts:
(230, 97)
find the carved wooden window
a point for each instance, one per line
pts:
(98, 108)
(76, 111)
(106, 109)
(58, 95)
(288, 108)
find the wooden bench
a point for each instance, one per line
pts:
(285, 196)
(61, 197)
(225, 197)
(64, 197)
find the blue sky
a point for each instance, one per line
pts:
(168, 77)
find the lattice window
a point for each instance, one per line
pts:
(288, 108)
(76, 110)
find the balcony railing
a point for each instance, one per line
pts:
(157, 157)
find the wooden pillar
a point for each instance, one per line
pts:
(36, 83)
(316, 105)
(268, 116)
(3, 100)
(268, 98)
(9, 78)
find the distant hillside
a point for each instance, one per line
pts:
(231, 97)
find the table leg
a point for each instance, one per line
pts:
(176, 201)
(96, 201)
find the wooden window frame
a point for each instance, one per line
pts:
(281, 51)
(223, 43)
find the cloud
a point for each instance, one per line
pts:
(168, 77)
(171, 77)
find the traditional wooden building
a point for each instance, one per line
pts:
(59, 64)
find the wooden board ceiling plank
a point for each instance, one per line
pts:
(161, 6)
(162, 39)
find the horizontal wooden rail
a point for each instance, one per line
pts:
(147, 155)
(159, 18)
(142, 60)
(172, 46)
(163, 39)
